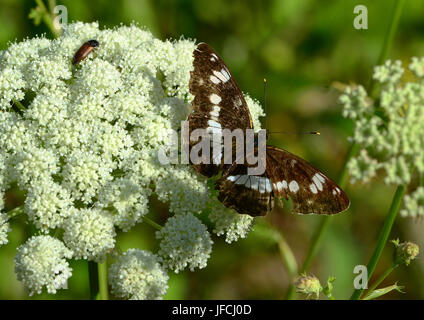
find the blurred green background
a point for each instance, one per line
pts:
(302, 47)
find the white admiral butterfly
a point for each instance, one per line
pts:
(219, 104)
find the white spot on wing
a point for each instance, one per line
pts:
(220, 76)
(321, 177)
(313, 188)
(214, 98)
(213, 123)
(242, 179)
(226, 74)
(262, 185)
(268, 185)
(317, 181)
(293, 186)
(214, 79)
(254, 182)
(233, 178)
(279, 186)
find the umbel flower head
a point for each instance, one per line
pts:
(137, 275)
(41, 262)
(389, 131)
(90, 234)
(81, 141)
(88, 135)
(184, 242)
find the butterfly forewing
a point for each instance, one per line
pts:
(218, 104)
(216, 94)
(310, 190)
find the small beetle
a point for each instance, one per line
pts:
(84, 51)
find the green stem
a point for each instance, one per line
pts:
(48, 18)
(152, 223)
(381, 279)
(94, 280)
(98, 280)
(287, 257)
(103, 281)
(19, 105)
(384, 235)
(15, 211)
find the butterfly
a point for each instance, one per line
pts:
(218, 103)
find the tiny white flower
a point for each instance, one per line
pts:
(41, 262)
(137, 275)
(414, 203)
(90, 234)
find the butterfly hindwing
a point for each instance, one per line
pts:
(310, 190)
(246, 194)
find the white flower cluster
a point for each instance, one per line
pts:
(40, 262)
(229, 223)
(90, 234)
(390, 132)
(184, 242)
(138, 276)
(82, 140)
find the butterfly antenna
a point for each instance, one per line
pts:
(308, 132)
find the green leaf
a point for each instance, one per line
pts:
(36, 14)
(381, 292)
(328, 289)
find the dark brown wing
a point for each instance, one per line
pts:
(246, 194)
(310, 189)
(218, 102)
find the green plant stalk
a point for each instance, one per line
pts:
(381, 279)
(287, 257)
(94, 280)
(384, 235)
(48, 18)
(15, 212)
(103, 281)
(19, 105)
(152, 223)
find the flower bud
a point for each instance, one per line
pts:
(405, 252)
(308, 285)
